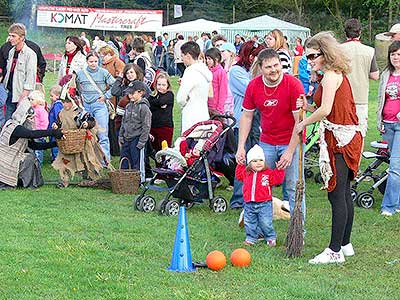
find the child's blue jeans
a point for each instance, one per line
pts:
(134, 155)
(40, 153)
(258, 215)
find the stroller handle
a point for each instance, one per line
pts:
(225, 116)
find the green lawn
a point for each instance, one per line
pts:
(79, 243)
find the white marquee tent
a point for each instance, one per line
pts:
(192, 28)
(260, 26)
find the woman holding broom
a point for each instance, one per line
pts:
(340, 139)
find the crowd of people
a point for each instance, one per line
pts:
(120, 92)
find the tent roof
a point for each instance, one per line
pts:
(197, 25)
(265, 22)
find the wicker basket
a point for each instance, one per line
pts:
(74, 141)
(125, 181)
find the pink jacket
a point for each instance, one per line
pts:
(220, 89)
(41, 117)
(257, 185)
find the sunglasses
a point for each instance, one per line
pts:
(314, 56)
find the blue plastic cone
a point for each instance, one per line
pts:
(181, 260)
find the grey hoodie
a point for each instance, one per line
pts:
(136, 122)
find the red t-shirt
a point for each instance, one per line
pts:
(276, 106)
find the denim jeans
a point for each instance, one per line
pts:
(2, 116)
(135, 156)
(391, 199)
(272, 155)
(10, 107)
(40, 153)
(258, 216)
(100, 112)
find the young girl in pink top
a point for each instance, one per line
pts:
(216, 103)
(41, 118)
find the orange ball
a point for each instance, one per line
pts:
(216, 260)
(240, 257)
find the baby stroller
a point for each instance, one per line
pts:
(379, 177)
(189, 181)
(311, 154)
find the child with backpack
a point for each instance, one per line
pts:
(257, 181)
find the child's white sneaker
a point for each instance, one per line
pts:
(328, 257)
(348, 250)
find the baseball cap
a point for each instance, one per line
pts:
(394, 30)
(228, 47)
(134, 86)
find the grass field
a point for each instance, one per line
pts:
(80, 243)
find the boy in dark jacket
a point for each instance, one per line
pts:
(135, 128)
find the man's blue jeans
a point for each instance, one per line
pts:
(272, 155)
(253, 138)
(258, 216)
(391, 199)
(100, 112)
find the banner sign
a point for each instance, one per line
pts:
(99, 18)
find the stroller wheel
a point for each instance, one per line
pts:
(171, 208)
(308, 173)
(219, 205)
(318, 178)
(148, 204)
(354, 194)
(136, 202)
(365, 200)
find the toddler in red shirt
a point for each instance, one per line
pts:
(257, 180)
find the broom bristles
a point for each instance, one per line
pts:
(295, 237)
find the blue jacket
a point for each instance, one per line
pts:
(56, 107)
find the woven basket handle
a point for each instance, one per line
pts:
(129, 162)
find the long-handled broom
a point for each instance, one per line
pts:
(295, 237)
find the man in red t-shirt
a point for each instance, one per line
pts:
(274, 94)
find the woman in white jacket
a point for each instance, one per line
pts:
(74, 58)
(193, 92)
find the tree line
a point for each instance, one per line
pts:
(375, 15)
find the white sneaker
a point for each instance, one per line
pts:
(348, 250)
(241, 219)
(327, 257)
(386, 213)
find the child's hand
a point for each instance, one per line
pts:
(54, 126)
(85, 124)
(151, 137)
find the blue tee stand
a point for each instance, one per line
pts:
(181, 260)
